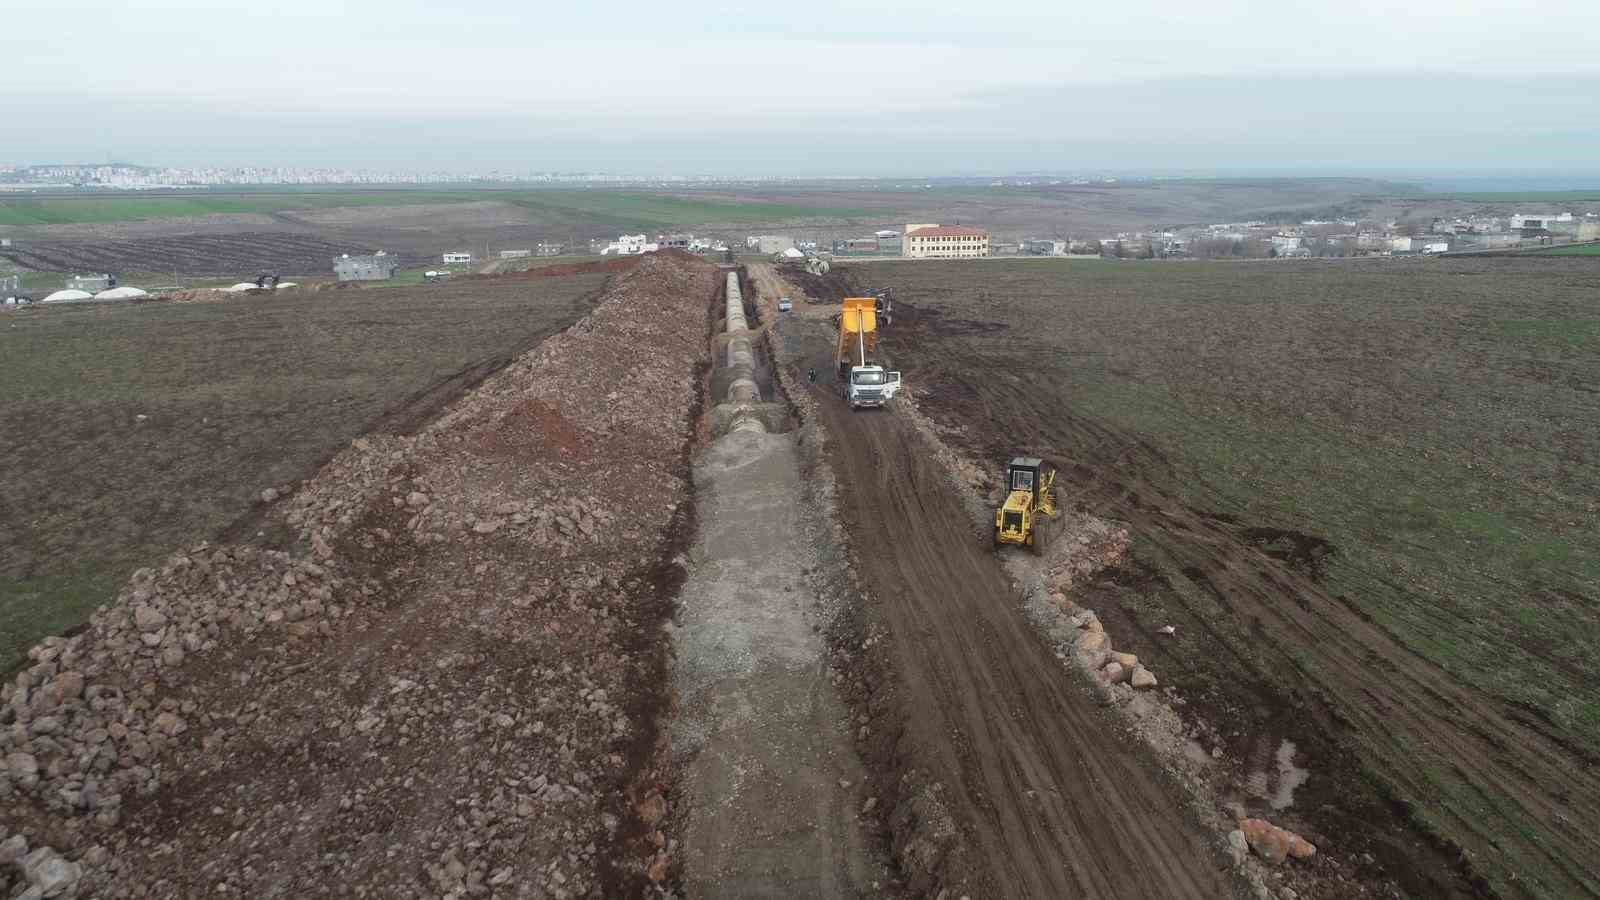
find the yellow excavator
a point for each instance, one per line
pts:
(1029, 495)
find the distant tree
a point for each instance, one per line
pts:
(1145, 251)
(1408, 228)
(1095, 247)
(1119, 251)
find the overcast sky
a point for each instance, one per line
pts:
(807, 89)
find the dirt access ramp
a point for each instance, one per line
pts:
(1001, 773)
(449, 686)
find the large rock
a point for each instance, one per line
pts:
(49, 873)
(171, 724)
(13, 849)
(1274, 844)
(147, 618)
(1238, 846)
(1143, 678)
(1091, 641)
(67, 687)
(1266, 839)
(1113, 673)
(652, 808)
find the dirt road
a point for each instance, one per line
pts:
(1051, 799)
(1056, 802)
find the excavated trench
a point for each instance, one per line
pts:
(769, 784)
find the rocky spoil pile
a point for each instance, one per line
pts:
(446, 686)
(87, 720)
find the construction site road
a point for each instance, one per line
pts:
(1051, 795)
(1052, 799)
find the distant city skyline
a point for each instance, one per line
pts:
(244, 177)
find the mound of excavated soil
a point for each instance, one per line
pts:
(447, 687)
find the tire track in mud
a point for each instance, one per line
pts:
(1047, 790)
(1406, 720)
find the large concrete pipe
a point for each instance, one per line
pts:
(741, 358)
(736, 320)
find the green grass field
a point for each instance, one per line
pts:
(1574, 250)
(624, 208)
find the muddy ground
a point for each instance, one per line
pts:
(1428, 773)
(1002, 774)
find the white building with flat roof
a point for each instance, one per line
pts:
(1539, 220)
(629, 245)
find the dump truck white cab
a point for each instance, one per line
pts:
(870, 386)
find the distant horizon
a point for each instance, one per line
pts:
(1580, 179)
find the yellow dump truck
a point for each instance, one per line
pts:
(862, 381)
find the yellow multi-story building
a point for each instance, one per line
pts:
(945, 242)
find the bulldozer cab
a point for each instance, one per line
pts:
(1024, 473)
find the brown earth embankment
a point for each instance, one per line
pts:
(448, 685)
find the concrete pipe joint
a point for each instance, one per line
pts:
(740, 353)
(743, 390)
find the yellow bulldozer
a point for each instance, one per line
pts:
(1029, 495)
